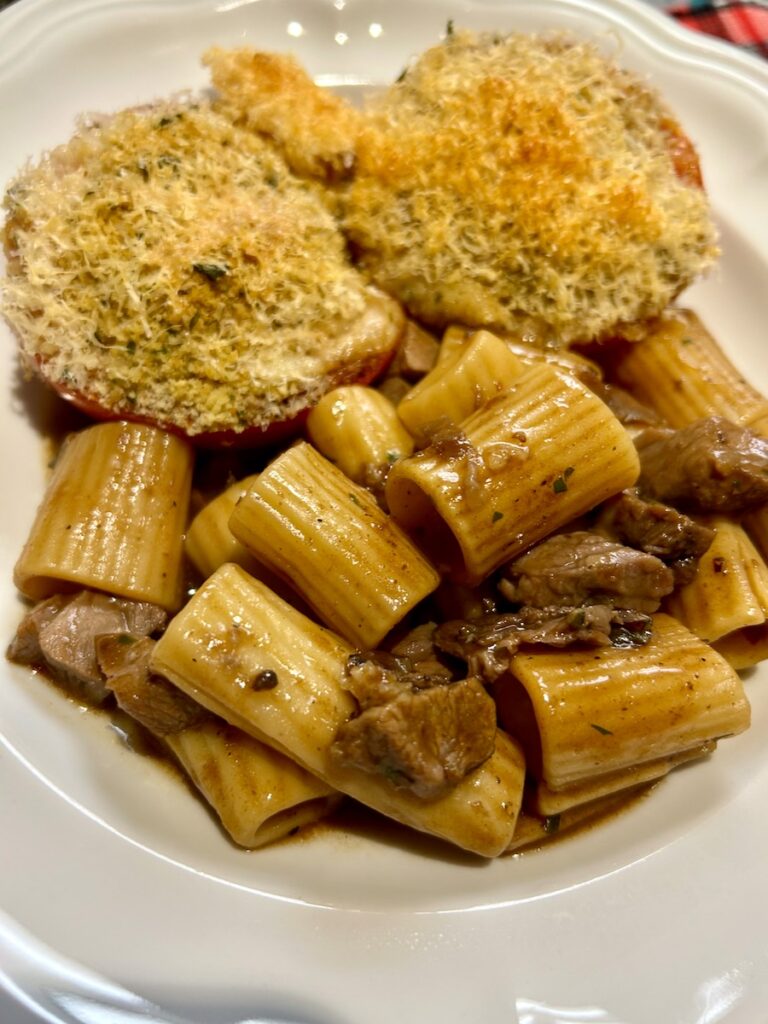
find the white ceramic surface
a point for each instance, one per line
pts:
(108, 870)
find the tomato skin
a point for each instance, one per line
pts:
(682, 153)
(250, 437)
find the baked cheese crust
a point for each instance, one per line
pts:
(165, 264)
(526, 184)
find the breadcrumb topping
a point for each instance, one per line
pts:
(165, 263)
(525, 183)
(314, 128)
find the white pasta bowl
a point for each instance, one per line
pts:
(121, 898)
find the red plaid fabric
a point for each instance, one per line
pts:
(745, 24)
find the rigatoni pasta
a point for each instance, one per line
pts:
(114, 486)
(327, 536)
(546, 801)
(679, 370)
(575, 364)
(478, 371)
(259, 795)
(586, 713)
(234, 629)
(745, 647)
(730, 589)
(209, 541)
(535, 830)
(543, 452)
(358, 430)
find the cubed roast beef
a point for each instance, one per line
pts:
(659, 530)
(584, 568)
(487, 644)
(24, 648)
(60, 635)
(624, 406)
(710, 466)
(154, 702)
(425, 738)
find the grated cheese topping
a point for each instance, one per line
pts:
(314, 128)
(526, 184)
(166, 264)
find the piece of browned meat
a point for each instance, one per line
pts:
(710, 466)
(659, 530)
(585, 568)
(425, 739)
(416, 652)
(624, 406)
(377, 677)
(150, 699)
(66, 641)
(24, 648)
(487, 644)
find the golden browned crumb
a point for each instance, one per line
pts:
(525, 183)
(166, 264)
(315, 129)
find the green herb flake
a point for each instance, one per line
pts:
(449, 28)
(631, 635)
(392, 457)
(601, 729)
(355, 500)
(130, 347)
(213, 271)
(497, 516)
(561, 483)
(126, 639)
(552, 824)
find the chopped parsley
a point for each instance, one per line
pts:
(497, 516)
(561, 483)
(169, 119)
(213, 271)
